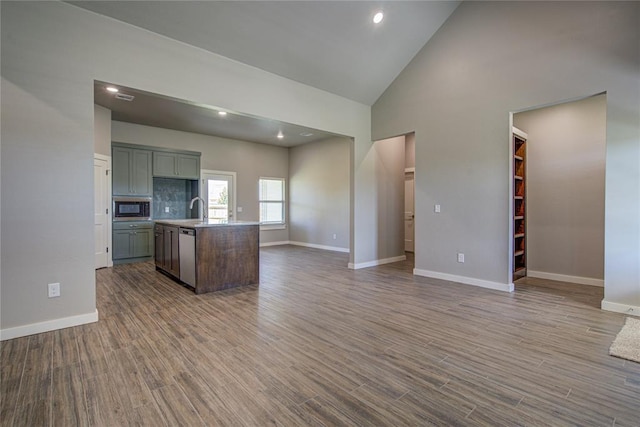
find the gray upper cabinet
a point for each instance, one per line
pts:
(176, 165)
(131, 172)
(189, 166)
(164, 164)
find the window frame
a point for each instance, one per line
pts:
(273, 225)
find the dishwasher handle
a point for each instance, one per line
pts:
(188, 231)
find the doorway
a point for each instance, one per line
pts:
(218, 189)
(409, 210)
(409, 192)
(102, 222)
(565, 190)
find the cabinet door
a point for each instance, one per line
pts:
(121, 171)
(141, 173)
(188, 166)
(159, 246)
(164, 164)
(122, 244)
(171, 255)
(175, 252)
(143, 243)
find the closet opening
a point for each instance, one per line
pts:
(557, 189)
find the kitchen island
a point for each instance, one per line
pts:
(208, 255)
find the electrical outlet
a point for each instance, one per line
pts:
(335, 236)
(239, 209)
(460, 257)
(436, 208)
(166, 209)
(54, 290)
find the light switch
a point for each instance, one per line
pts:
(436, 208)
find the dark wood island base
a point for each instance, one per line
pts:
(226, 255)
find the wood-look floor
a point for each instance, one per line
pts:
(317, 344)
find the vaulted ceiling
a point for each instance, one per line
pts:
(330, 45)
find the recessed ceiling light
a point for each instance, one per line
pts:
(306, 134)
(112, 89)
(280, 135)
(222, 113)
(377, 18)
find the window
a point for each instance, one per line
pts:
(271, 197)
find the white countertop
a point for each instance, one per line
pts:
(207, 222)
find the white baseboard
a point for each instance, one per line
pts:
(359, 265)
(307, 245)
(633, 310)
(564, 278)
(284, 242)
(326, 248)
(49, 325)
(506, 287)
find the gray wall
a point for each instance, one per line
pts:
(102, 130)
(249, 160)
(410, 150)
(493, 58)
(390, 155)
(319, 193)
(565, 187)
(51, 54)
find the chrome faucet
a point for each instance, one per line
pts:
(201, 206)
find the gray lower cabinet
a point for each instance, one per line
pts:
(176, 165)
(131, 174)
(132, 240)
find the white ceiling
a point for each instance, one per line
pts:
(330, 45)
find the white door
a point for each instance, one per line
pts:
(409, 214)
(218, 189)
(101, 210)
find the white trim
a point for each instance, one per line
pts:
(324, 247)
(505, 287)
(359, 265)
(283, 242)
(633, 310)
(520, 133)
(107, 159)
(307, 245)
(565, 278)
(267, 227)
(49, 325)
(510, 201)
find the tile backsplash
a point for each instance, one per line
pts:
(171, 198)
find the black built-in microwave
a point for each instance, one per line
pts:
(131, 208)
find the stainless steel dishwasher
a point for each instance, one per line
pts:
(187, 242)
